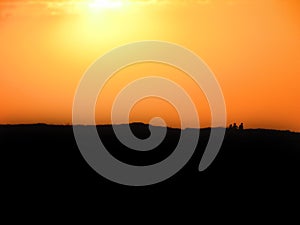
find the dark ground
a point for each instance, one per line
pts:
(42, 164)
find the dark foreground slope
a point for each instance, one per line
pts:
(43, 162)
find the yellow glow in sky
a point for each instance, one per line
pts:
(252, 46)
(99, 4)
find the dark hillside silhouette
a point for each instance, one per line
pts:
(42, 160)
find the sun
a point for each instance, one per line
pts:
(99, 4)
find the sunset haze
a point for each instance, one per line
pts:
(252, 47)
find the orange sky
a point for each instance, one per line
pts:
(252, 46)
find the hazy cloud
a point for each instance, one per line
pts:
(57, 7)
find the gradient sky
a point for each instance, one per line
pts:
(252, 46)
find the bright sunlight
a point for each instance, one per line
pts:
(99, 4)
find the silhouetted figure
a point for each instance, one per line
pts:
(241, 127)
(230, 126)
(235, 127)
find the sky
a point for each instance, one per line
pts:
(252, 47)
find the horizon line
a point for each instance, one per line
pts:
(141, 123)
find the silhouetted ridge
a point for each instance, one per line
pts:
(44, 160)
